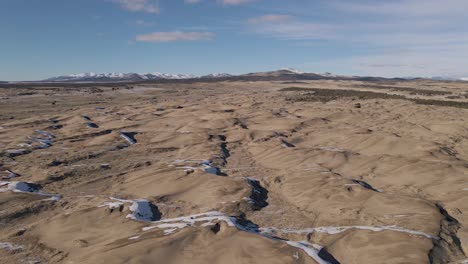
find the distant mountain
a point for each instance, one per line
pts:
(95, 77)
(442, 78)
(285, 74)
(275, 73)
(116, 77)
(217, 75)
(135, 77)
(331, 75)
(157, 75)
(291, 70)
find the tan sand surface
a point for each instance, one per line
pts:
(235, 172)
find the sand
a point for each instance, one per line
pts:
(233, 172)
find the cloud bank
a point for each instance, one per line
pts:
(147, 6)
(175, 36)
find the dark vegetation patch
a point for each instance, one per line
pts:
(259, 196)
(294, 82)
(92, 125)
(88, 135)
(25, 93)
(365, 185)
(287, 144)
(327, 95)
(30, 210)
(94, 90)
(441, 103)
(411, 90)
(324, 254)
(449, 247)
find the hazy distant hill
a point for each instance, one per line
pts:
(286, 74)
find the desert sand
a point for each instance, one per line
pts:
(235, 172)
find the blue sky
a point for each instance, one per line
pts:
(40, 39)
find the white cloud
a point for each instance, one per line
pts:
(175, 36)
(142, 22)
(271, 18)
(234, 2)
(399, 64)
(407, 7)
(386, 38)
(148, 6)
(287, 27)
(223, 2)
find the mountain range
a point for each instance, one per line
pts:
(126, 77)
(285, 74)
(282, 74)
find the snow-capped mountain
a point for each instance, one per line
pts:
(284, 73)
(158, 75)
(291, 70)
(217, 75)
(91, 76)
(444, 78)
(105, 77)
(279, 75)
(328, 74)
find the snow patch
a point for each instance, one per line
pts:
(171, 225)
(217, 75)
(140, 210)
(333, 149)
(147, 228)
(210, 169)
(332, 230)
(10, 246)
(44, 142)
(17, 152)
(169, 231)
(292, 70)
(26, 187)
(22, 187)
(45, 133)
(196, 164)
(10, 175)
(129, 137)
(310, 249)
(111, 205)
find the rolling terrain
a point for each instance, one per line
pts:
(260, 168)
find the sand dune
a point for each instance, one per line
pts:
(234, 172)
